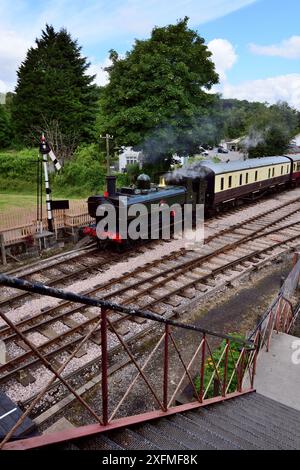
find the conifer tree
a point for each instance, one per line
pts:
(5, 129)
(54, 87)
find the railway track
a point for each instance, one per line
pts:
(62, 271)
(159, 286)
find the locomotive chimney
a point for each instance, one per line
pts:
(111, 185)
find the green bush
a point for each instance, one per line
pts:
(123, 180)
(18, 171)
(81, 177)
(212, 361)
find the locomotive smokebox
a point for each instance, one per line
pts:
(111, 185)
(143, 182)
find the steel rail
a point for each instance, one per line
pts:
(128, 301)
(41, 289)
(182, 268)
(253, 219)
(213, 237)
(57, 280)
(72, 331)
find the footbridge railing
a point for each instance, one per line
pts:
(281, 316)
(210, 366)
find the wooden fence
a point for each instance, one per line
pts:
(20, 224)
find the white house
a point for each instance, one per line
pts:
(296, 140)
(178, 160)
(129, 157)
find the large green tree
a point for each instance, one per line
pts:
(157, 96)
(54, 91)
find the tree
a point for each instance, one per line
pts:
(238, 115)
(54, 87)
(5, 128)
(157, 94)
(271, 131)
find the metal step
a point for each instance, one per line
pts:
(268, 432)
(101, 442)
(163, 440)
(231, 416)
(68, 446)
(276, 407)
(285, 430)
(219, 439)
(185, 436)
(222, 431)
(246, 422)
(128, 439)
(241, 426)
(224, 425)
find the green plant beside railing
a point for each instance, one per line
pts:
(216, 367)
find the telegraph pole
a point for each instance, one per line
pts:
(107, 137)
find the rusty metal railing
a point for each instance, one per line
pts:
(280, 317)
(215, 371)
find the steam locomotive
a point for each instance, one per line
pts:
(216, 185)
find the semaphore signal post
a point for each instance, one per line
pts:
(46, 152)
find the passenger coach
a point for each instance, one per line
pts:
(236, 180)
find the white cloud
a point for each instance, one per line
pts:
(223, 55)
(13, 48)
(94, 22)
(3, 87)
(138, 17)
(289, 48)
(273, 89)
(98, 70)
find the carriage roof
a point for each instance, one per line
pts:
(220, 168)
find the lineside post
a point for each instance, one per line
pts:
(45, 150)
(202, 371)
(166, 367)
(3, 252)
(104, 360)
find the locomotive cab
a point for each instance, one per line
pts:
(196, 187)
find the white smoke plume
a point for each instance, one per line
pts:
(254, 138)
(196, 170)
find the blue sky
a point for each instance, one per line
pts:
(255, 43)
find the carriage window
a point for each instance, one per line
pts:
(222, 184)
(282, 170)
(247, 178)
(287, 169)
(229, 181)
(269, 172)
(241, 180)
(256, 175)
(273, 172)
